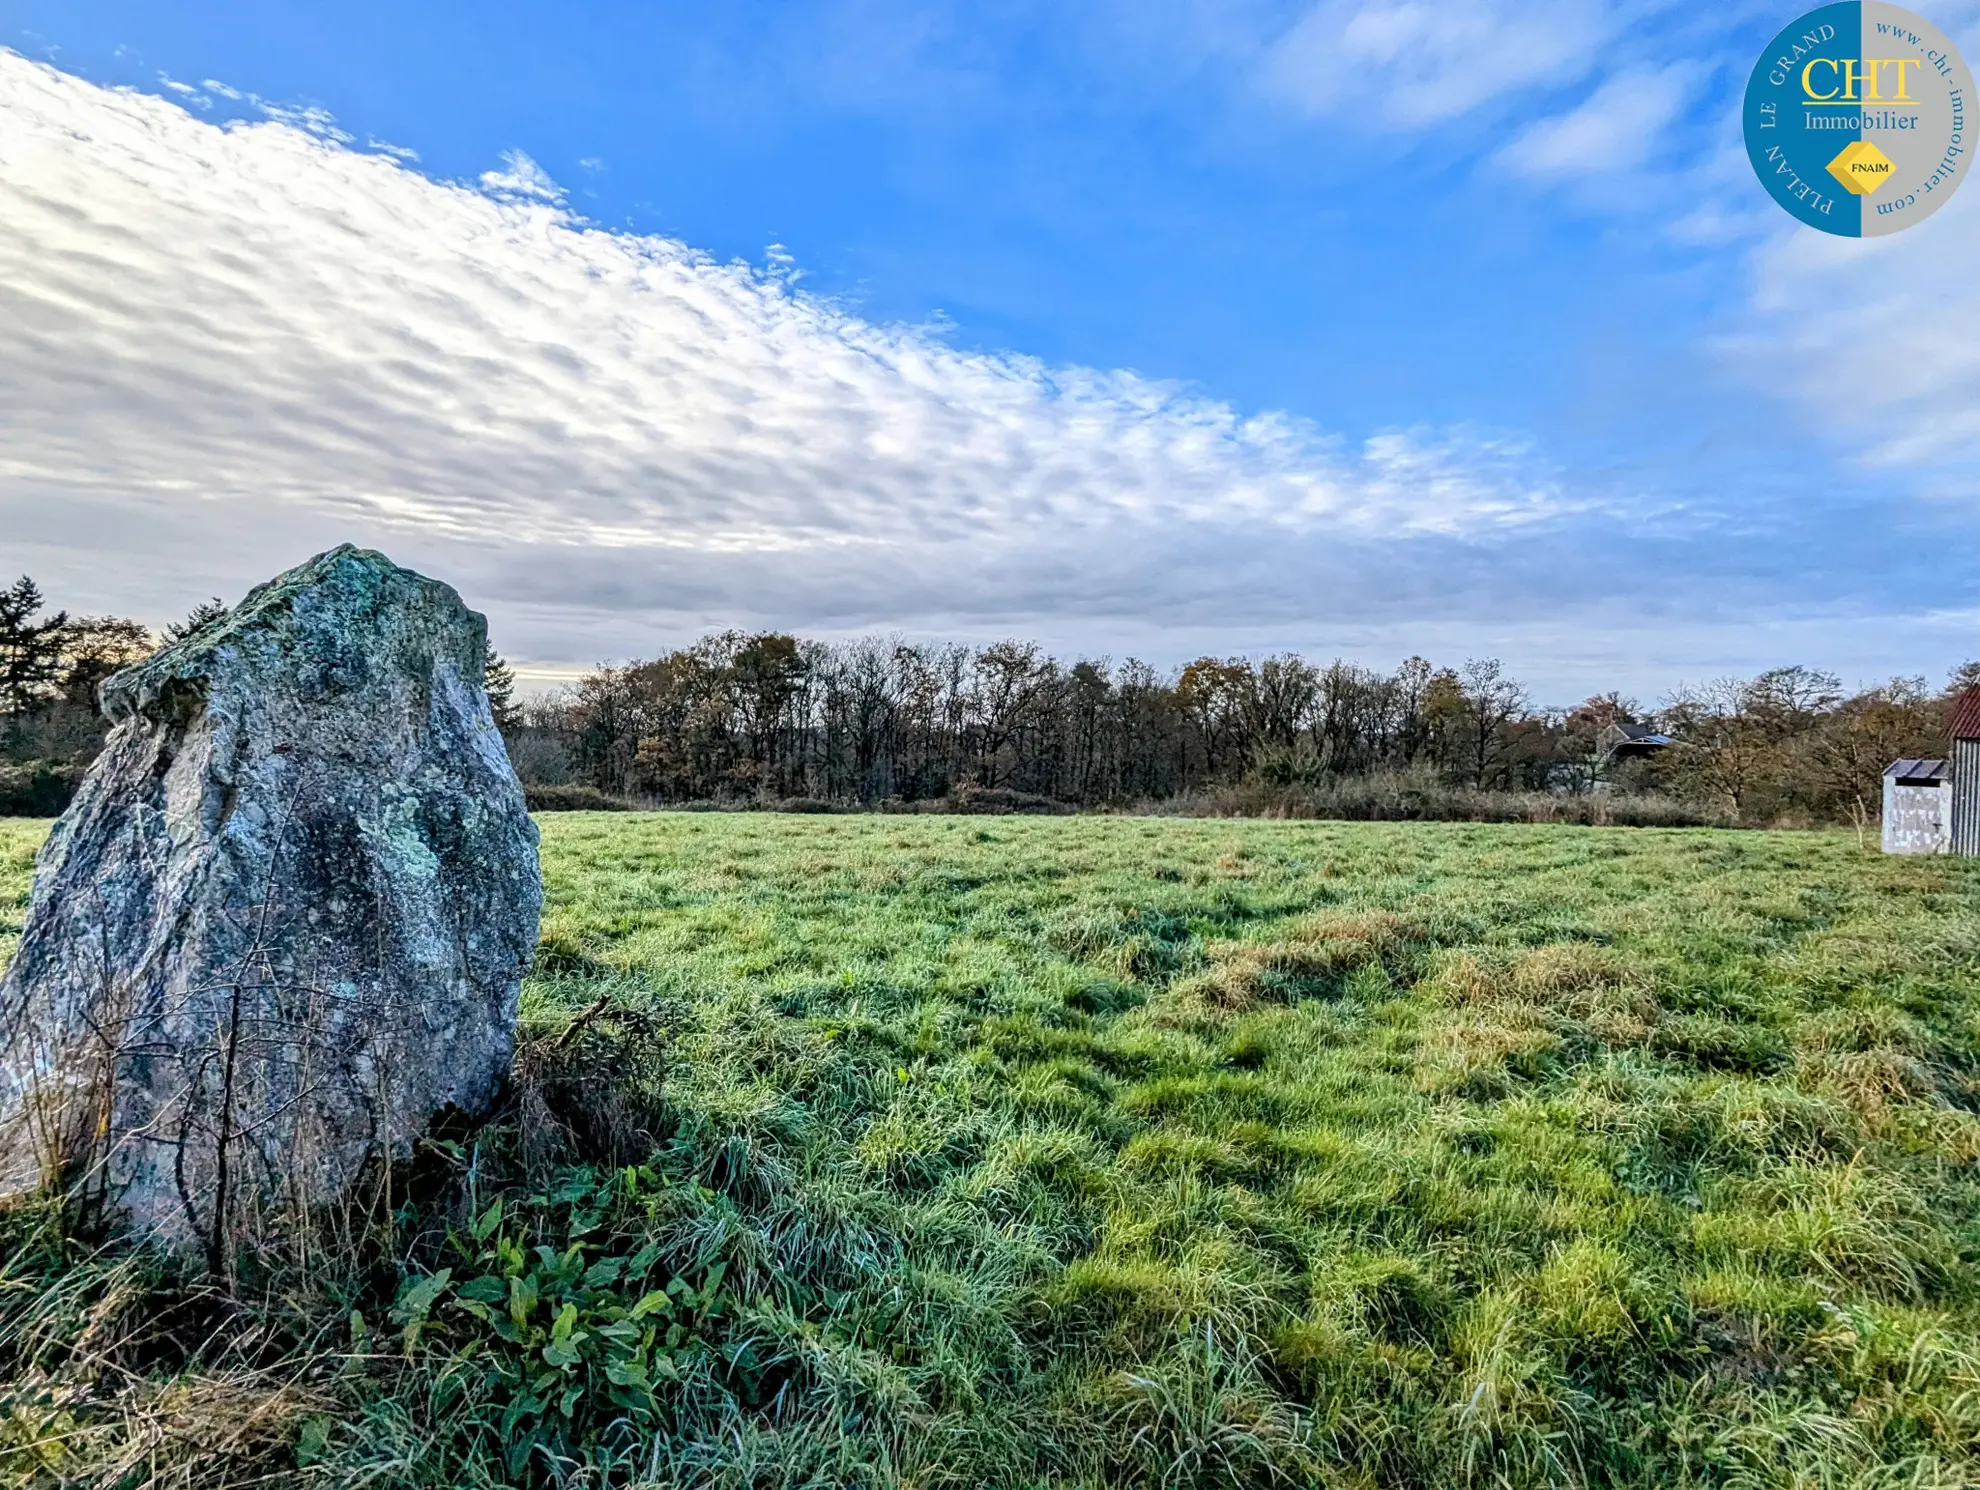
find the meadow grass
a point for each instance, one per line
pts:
(1113, 1151)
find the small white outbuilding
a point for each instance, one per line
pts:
(1918, 800)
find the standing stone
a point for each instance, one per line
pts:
(284, 922)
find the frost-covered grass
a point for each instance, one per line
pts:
(1106, 1151)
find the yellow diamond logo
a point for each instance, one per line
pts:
(1861, 167)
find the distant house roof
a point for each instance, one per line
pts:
(1620, 738)
(1917, 773)
(1966, 716)
(1620, 734)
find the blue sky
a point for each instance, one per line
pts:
(1369, 327)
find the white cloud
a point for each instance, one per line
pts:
(1615, 130)
(224, 346)
(1414, 63)
(521, 177)
(1878, 339)
(309, 117)
(1726, 204)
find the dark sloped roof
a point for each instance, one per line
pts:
(1643, 744)
(1917, 772)
(1966, 716)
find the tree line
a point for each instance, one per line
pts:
(765, 717)
(768, 718)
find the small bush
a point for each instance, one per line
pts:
(992, 801)
(551, 1327)
(573, 799)
(808, 805)
(1422, 797)
(38, 788)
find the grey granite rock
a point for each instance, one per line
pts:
(284, 922)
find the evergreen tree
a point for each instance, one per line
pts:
(30, 650)
(500, 681)
(199, 618)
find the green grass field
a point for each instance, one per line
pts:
(1109, 1151)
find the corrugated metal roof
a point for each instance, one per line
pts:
(1966, 716)
(1917, 772)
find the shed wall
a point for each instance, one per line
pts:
(1966, 797)
(1916, 818)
